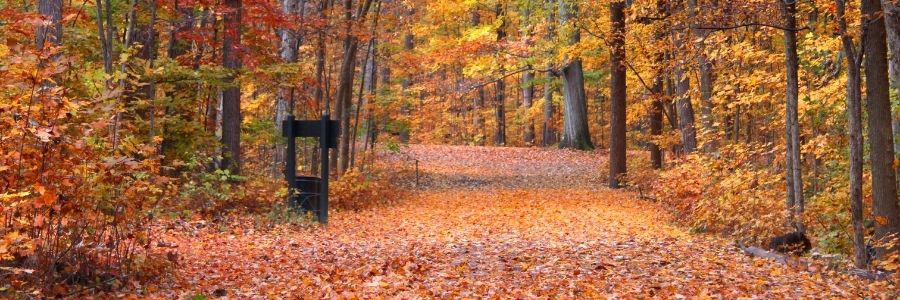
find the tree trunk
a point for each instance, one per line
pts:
(527, 82)
(345, 85)
(50, 34)
(549, 134)
(892, 24)
(854, 131)
(617, 146)
(576, 133)
(288, 54)
(500, 91)
(499, 101)
(231, 97)
(793, 158)
(878, 105)
(706, 79)
(685, 111)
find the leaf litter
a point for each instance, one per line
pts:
(539, 223)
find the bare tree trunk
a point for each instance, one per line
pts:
(478, 118)
(288, 53)
(655, 114)
(685, 111)
(892, 24)
(793, 158)
(617, 144)
(854, 120)
(231, 97)
(884, 180)
(576, 133)
(500, 87)
(499, 109)
(549, 134)
(706, 78)
(683, 98)
(527, 81)
(50, 34)
(345, 86)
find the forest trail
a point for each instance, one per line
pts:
(508, 222)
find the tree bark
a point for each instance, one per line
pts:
(576, 133)
(705, 68)
(892, 24)
(50, 34)
(685, 111)
(548, 133)
(683, 99)
(854, 132)
(288, 53)
(500, 87)
(345, 86)
(878, 105)
(795, 180)
(617, 146)
(527, 82)
(231, 97)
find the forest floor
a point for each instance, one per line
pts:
(486, 222)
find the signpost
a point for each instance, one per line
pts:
(327, 131)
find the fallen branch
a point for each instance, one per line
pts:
(797, 261)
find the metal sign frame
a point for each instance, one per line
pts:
(327, 131)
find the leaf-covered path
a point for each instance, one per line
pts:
(485, 222)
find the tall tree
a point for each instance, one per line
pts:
(576, 133)
(705, 68)
(288, 54)
(617, 144)
(231, 96)
(854, 131)
(881, 148)
(347, 72)
(548, 134)
(656, 108)
(479, 92)
(683, 97)
(500, 86)
(527, 78)
(794, 180)
(49, 34)
(892, 24)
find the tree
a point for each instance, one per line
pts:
(575, 126)
(683, 98)
(500, 85)
(288, 53)
(892, 25)
(854, 131)
(881, 148)
(617, 155)
(705, 68)
(345, 85)
(50, 34)
(527, 79)
(794, 179)
(231, 96)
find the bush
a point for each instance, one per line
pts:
(356, 190)
(739, 200)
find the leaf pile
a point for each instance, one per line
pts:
(537, 224)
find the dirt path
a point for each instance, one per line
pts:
(507, 222)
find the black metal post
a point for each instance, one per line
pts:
(323, 196)
(290, 160)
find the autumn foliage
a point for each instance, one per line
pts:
(142, 152)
